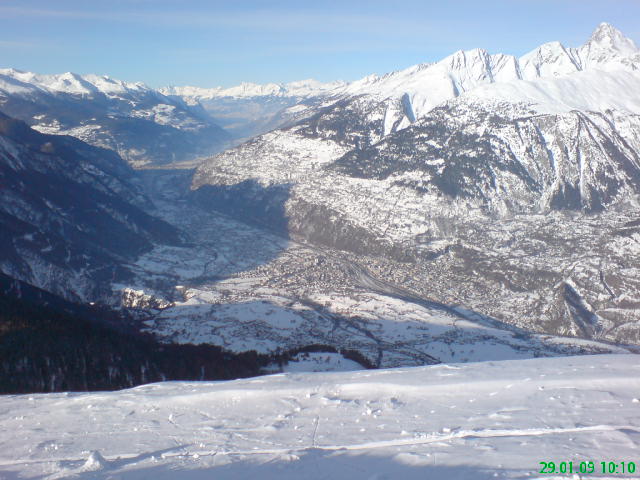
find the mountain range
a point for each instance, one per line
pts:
(411, 93)
(480, 207)
(509, 186)
(465, 221)
(139, 123)
(250, 109)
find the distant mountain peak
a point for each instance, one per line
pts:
(300, 88)
(72, 83)
(607, 36)
(607, 45)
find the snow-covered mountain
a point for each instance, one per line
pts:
(297, 89)
(439, 164)
(137, 122)
(411, 93)
(477, 421)
(251, 109)
(71, 214)
(456, 211)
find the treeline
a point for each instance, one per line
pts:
(50, 345)
(43, 349)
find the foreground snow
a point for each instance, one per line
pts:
(473, 421)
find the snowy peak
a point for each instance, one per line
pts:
(108, 85)
(608, 47)
(300, 88)
(132, 119)
(463, 60)
(607, 36)
(424, 87)
(408, 94)
(250, 109)
(549, 60)
(68, 83)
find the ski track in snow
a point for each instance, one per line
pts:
(461, 421)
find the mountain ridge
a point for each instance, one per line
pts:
(444, 228)
(139, 123)
(299, 88)
(424, 86)
(71, 214)
(408, 179)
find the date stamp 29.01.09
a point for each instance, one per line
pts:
(608, 467)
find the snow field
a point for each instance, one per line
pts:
(460, 421)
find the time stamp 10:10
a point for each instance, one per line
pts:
(587, 467)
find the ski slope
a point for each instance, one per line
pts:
(451, 421)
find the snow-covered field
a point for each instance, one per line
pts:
(452, 421)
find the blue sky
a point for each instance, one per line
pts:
(210, 43)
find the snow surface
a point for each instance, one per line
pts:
(474, 421)
(317, 362)
(595, 90)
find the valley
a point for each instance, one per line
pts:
(482, 207)
(244, 287)
(429, 273)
